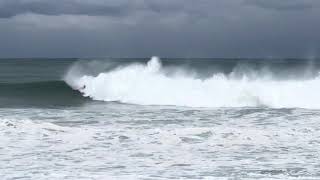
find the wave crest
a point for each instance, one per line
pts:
(148, 84)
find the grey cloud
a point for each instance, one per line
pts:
(9, 8)
(175, 28)
(116, 8)
(283, 4)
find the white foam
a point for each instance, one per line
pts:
(147, 84)
(143, 142)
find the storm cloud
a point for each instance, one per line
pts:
(170, 28)
(10, 8)
(285, 5)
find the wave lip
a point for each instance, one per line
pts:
(149, 84)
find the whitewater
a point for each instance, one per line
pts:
(153, 118)
(149, 84)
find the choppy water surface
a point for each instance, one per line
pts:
(55, 133)
(121, 141)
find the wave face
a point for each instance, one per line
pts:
(43, 93)
(240, 85)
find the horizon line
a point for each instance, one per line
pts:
(226, 58)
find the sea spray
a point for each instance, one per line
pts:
(149, 84)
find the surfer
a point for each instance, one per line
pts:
(82, 88)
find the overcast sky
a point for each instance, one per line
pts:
(167, 28)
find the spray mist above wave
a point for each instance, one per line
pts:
(149, 84)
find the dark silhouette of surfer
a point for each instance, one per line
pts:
(82, 88)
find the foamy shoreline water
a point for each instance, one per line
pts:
(159, 143)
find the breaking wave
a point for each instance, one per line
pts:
(152, 84)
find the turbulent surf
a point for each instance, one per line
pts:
(243, 85)
(159, 119)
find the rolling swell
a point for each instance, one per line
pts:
(45, 93)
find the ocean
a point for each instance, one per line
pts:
(142, 118)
